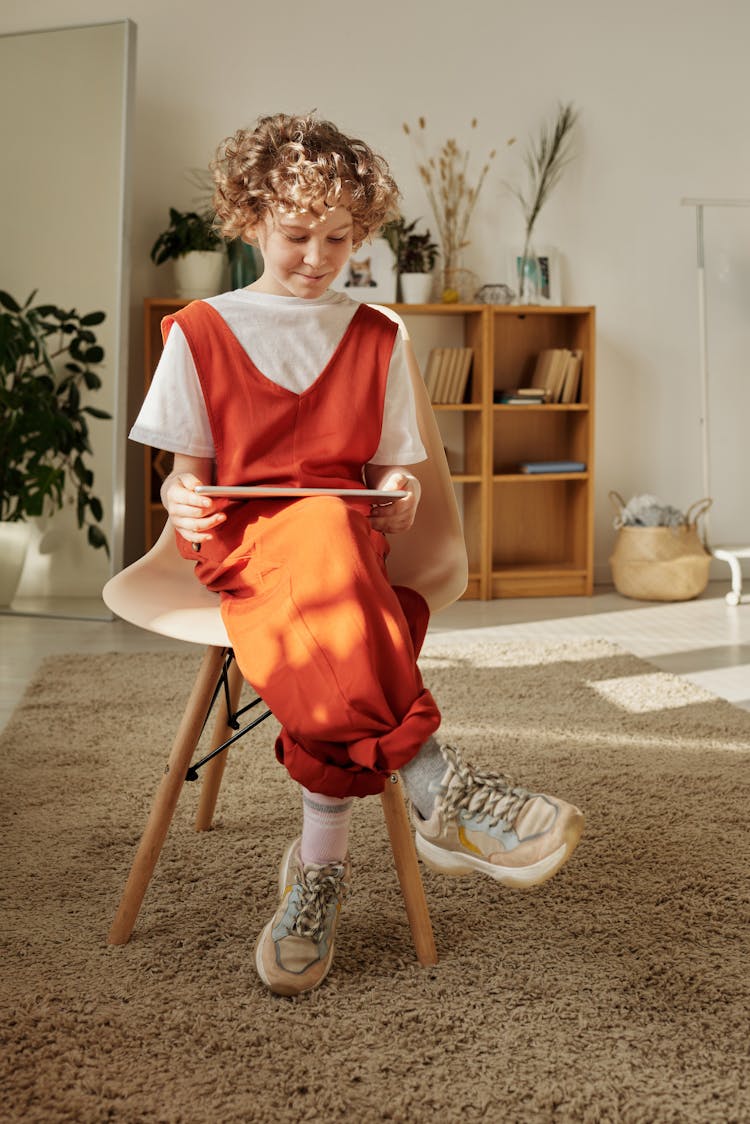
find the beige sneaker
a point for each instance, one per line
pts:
(482, 823)
(295, 950)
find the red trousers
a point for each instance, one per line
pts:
(327, 642)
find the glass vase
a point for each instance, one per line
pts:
(458, 284)
(528, 277)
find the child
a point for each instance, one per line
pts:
(289, 383)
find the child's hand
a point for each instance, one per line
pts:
(397, 516)
(189, 513)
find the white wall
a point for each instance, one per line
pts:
(661, 85)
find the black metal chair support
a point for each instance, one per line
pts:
(232, 717)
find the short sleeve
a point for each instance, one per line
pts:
(400, 442)
(173, 415)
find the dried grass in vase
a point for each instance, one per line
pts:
(544, 159)
(452, 196)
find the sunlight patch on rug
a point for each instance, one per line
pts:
(458, 650)
(641, 694)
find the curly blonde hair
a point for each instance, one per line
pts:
(300, 165)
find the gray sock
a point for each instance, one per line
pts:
(422, 776)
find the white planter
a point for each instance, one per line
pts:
(199, 274)
(416, 288)
(14, 542)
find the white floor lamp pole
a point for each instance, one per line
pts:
(703, 353)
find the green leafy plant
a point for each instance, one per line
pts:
(415, 253)
(48, 356)
(243, 264)
(187, 231)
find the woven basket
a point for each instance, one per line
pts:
(660, 563)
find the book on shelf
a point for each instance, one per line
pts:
(447, 373)
(558, 370)
(521, 395)
(572, 378)
(534, 467)
(545, 376)
(531, 392)
(431, 372)
(443, 391)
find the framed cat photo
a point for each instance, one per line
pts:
(370, 274)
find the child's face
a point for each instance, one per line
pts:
(302, 255)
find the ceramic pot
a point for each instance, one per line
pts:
(199, 274)
(416, 288)
(14, 542)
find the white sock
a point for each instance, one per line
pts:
(422, 776)
(325, 827)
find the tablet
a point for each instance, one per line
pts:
(261, 491)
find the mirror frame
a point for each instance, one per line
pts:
(118, 315)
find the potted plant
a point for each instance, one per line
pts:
(197, 249)
(48, 356)
(416, 255)
(244, 263)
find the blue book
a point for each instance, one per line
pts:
(552, 466)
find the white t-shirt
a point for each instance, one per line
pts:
(290, 340)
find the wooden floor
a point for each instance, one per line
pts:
(705, 640)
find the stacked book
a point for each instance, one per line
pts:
(556, 378)
(535, 468)
(447, 373)
(522, 395)
(558, 372)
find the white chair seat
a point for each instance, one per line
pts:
(160, 593)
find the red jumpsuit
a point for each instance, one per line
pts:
(315, 625)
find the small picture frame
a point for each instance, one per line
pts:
(370, 274)
(549, 287)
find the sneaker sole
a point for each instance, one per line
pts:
(458, 864)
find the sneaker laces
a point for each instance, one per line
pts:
(319, 888)
(479, 792)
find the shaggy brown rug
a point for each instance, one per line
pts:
(617, 992)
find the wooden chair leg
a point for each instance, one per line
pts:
(166, 798)
(407, 868)
(214, 770)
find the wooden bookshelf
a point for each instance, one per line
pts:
(541, 525)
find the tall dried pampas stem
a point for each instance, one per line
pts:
(545, 160)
